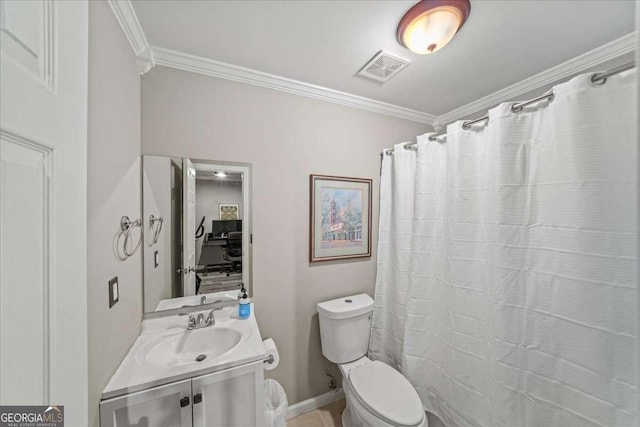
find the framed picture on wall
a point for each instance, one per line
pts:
(228, 211)
(340, 218)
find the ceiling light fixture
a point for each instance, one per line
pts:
(220, 174)
(429, 25)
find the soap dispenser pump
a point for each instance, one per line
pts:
(244, 308)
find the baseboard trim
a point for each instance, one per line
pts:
(314, 403)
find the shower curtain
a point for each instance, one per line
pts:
(506, 284)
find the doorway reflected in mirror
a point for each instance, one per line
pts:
(202, 255)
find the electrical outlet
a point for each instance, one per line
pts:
(114, 294)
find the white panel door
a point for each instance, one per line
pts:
(188, 227)
(165, 406)
(24, 211)
(43, 137)
(229, 398)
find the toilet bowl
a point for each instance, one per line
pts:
(379, 396)
(376, 394)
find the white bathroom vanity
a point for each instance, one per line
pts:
(172, 376)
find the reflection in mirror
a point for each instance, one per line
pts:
(197, 231)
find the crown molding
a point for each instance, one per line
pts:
(612, 50)
(184, 61)
(148, 56)
(128, 20)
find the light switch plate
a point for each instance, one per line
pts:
(114, 294)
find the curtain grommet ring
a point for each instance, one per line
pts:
(517, 107)
(596, 81)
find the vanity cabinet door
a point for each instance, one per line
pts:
(229, 398)
(164, 406)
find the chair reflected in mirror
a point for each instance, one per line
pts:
(233, 250)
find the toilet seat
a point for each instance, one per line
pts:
(387, 394)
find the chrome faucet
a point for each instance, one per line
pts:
(191, 324)
(200, 321)
(203, 300)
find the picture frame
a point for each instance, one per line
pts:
(227, 211)
(339, 218)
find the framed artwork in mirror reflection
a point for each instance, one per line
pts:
(228, 211)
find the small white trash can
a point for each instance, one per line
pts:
(275, 404)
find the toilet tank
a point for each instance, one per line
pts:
(344, 327)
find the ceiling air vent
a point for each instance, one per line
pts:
(383, 66)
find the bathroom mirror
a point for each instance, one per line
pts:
(197, 231)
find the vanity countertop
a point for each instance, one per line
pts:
(136, 373)
(189, 301)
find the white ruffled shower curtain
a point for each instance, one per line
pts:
(506, 285)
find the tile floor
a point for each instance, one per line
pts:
(327, 416)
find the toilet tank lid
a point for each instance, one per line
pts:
(345, 307)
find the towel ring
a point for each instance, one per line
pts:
(126, 227)
(155, 226)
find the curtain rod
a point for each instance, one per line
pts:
(596, 79)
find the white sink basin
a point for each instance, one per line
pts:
(195, 346)
(166, 352)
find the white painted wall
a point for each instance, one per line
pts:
(286, 138)
(638, 201)
(157, 185)
(209, 194)
(113, 190)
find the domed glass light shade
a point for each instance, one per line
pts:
(429, 25)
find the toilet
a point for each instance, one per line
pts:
(376, 394)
